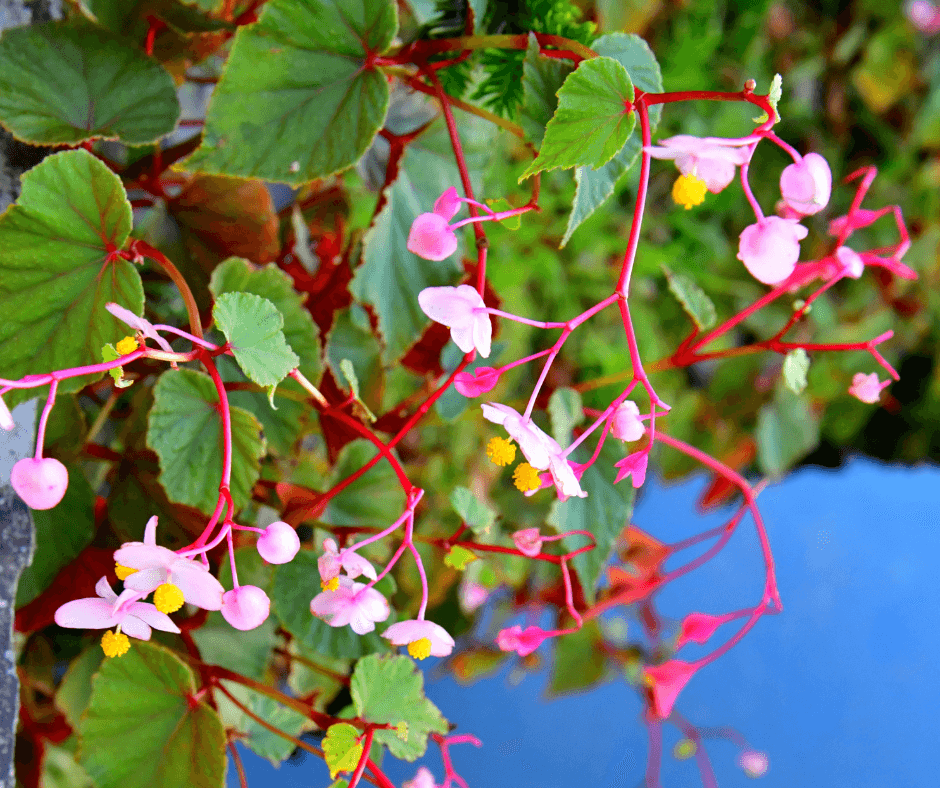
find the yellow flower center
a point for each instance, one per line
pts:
(420, 649)
(501, 451)
(168, 598)
(115, 644)
(689, 190)
(526, 478)
(123, 572)
(330, 585)
(126, 345)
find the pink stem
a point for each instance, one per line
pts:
(44, 418)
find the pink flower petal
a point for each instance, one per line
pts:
(90, 613)
(522, 641)
(405, 632)
(633, 465)
(474, 384)
(199, 587)
(103, 589)
(625, 424)
(431, 237)
(528, 541)
(145, 580)
(447, 205)
(6, 418)
(135, 627)
(806, 186)
(668, 681)
(245, 607)
(149, 614)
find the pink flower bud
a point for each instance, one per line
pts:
(754, 763)
(528, 541)
(447, 204)
(245, 607)
(431, 237)
(850, 262)
(6, 418)
(668, 681)
(770, 248)
(41, 483)
(699, 627)
(633, 465)
(807, 185)
(522, 641)
(626, 424)
(867, 388)
(471, 595)
(279, 543)
(479, 382)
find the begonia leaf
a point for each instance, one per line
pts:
(185, 430)
(253, 327)
(593, 121)
(542, 78)
(786, 430)
(579, 660)
(299, 98)
(459, 557)
(476, 514)
(254, 735)
(143, 729)
(695, 302)
(390, 689)
(65, 82)
(55, 271)
(566, 412)
(342, 747)
(795, 367)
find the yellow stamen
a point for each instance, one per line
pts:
(126, 345)
(115, 644)
(123, 572)
(420, 649)
(168, 598)
(689, 190)
(526, 478)
(330, 585)
(501, 451)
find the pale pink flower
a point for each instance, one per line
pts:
(770, 248)
(528, 541)
(40, 481)
(471, 595)
(522, 641)
(535, 444)
(668, 680)
(334, 559)
(145, 327)
(712, 159)
(626, 424)
(158, 565)
(351, 603)
(462, 310)
(754, 763)
(245, 607)
(278, 544)
(448, 203)
(474, 384)
(867, 388)
(807, 185)
(924, 15)
(422, 779)
(699, 627)
(850, 262)
(106, 610)
(633, 465)
(413, 631)
(6, 418)
(563, 475)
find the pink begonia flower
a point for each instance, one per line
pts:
(633, 465)
(6, 418)
(850, 262)
(699, 627)
(471, 595)
(626, 424)
(563, 475)
(474, 384)
(924, 15)
(138, 324)
(535, 444)
(40, 481)
(528, 541)
(754, 763)
(668, 680)
(431, 237)
(102, 612)
(278, 544)
(418, 633)
(712, 159)
(422, 779)
(770, 248)
(448, 203)
(351, 603)
(522, 641)
(462, 310)
(245, 607)
(806, 186)
(867, 388)
(333, 560)
(158, 565)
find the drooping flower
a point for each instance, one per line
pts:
(867, 388)
(633, 465)
(528, 541)
(462, 310)
(245, 607)
(710, 159)
(563, 475)
(754, 763)
(770, 248)
(40, 481)
(522, 641)
(699, 627)
(423, 638)
(138, 324)
(173, 578)
(422, 779)
(333, 560)
(807, 185)
(431, 236)
(667, 681)
(850, 261)
(105, 611)
(6, 418)
(535, 444)
(351, 603)
(625, 424)
(278, 544)
(479, 382)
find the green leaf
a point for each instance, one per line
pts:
(579, 659)
(542, 78)
(255, 736)
(61, 534)
(142, 731)
(294, 585)
(342, 747)
(63, 82)
(298, 99)
(786, 431)
(566, 412)
(351, 339)
(593, 121)
(595, 186)
(375, 498)
(795, 367)
(237, 275)
(476, 514)
(773, 96)
(604, 513)
(55, 275)
(185, 430)
(252, 325)
(74, 693)
(458, 557)
(390, 689)
(349, 372)
(696, 304)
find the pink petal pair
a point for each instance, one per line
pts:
(105, 611)
(867, 388)
(668, 680)
(245, 607)
(713, 159)
(462, 310)
(633, 465)
(522, 641)
(413, 630)
(474, 384)
(431, 236)
(807, 185)
(353, 604)
(770, 248)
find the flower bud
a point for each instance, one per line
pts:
(279, 543)
(431, 238)
(245, 607)
(770, 248)
(807, 185)
(626, 424)
(479, 382)
(41, 483)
